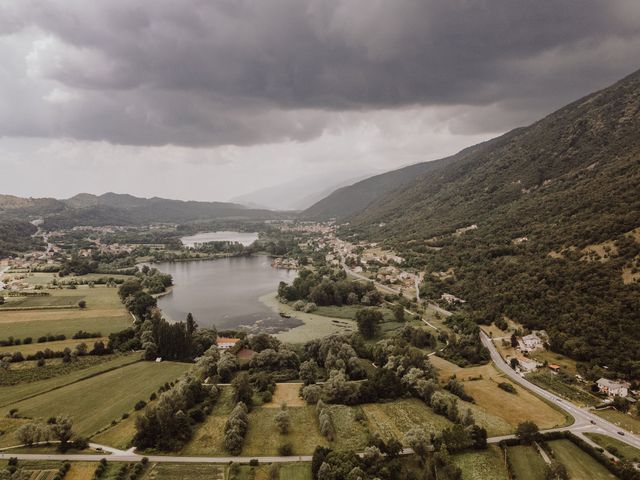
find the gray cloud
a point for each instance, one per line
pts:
(244, 72)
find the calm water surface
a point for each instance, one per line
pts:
(225, 292)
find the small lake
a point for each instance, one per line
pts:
(245, 238)
(225, 292)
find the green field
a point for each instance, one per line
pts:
(104, 313)
(624, 450)
(482, 464)
(175, 471)
(95, 402)
(15, 393)
(526, 462)
(57, 346)
(394, 419)
(69, 301)
(579, 464)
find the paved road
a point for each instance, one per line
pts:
(585, 421)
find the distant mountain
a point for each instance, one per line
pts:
(541, 225)
(297, 194)
(122, 209)
(354, 198)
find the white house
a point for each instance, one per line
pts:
(225, 342)
(530, 342)
(613, 388)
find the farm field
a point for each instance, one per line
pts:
(526, 462)
(580, 465)
(208, 436)
(15, 393)
(287, 393)
(176, 471)
(482, 384)
(56, 346)
(104, 314)
(481, 465)
(95, 402)
(264, 439)
(394, 419)
(621, 419)
(81, 471)
(624, 450)
(119, 435)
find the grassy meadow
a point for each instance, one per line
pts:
(579, 464)
(622, 449)
(526, 462)
(104, 313)
(482, 464)
(623, 420)
(482, 384)
(96, 401)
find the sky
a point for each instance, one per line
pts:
(209, 100)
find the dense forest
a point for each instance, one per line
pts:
(16, 236)
(539, 225)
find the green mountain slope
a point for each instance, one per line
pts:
(354, 198)
(122, 209)
(555, 205)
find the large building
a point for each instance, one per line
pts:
(613, 388)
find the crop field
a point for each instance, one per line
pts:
(623, 450)
(482, 464)
(287, 393)
(104, 314)
(621, 419)
(482, 384)
(95, 402)
(57, 346)
(394, 419)
(351, 434)
(526, 462)
(14, 393)
(119, 435)
(579, 464)
(176, 471)
(81, 471)
(208, 437)
(264, 439)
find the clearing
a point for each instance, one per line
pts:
(481, 383)
(482, 464)
(579, 464)
(526, 462)
(287, 393)
(95, 402)
(104, 313)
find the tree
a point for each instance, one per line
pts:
(82, 304)
(192, 325)
(398, 312)
(368, 320)
(62, 430)
(283, 421)
(1, 300)
(514, 340)
(309, 372)
(31, 433)
(5, 362)
(514, 363)
(527, 431)
(242, 390)
(418, 440)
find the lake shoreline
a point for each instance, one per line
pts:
(314, 326)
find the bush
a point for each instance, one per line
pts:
(285, 449)
(507, 387)
(140, 404)
(254, 462)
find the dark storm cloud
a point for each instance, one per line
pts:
(245, 72)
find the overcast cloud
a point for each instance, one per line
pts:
(209, 99)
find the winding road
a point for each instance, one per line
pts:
(585, 421)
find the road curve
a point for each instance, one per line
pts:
(585, 421)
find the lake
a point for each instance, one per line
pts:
(245, 238)
(226, 292)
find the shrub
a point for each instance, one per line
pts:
(285, 449)
(507, 387)
(140, 404)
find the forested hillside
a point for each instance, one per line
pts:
(354, 198)
(557, 210)
(121, 209)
